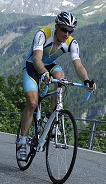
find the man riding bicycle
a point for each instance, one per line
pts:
(48, 44)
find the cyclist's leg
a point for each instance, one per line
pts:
(57, 73)
(31, 94)
(31, 104)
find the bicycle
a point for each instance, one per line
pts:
(61, 149)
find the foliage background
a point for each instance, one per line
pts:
(92, 42)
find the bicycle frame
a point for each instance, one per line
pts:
(59, 106)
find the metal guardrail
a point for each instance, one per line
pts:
(93, 130)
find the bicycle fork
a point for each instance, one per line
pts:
(59, 109)
(60, 133)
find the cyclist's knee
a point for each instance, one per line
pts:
(58, 75)
(57, 72)
(33, 104)
(32, 101)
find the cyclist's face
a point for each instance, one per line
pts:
(63, 32)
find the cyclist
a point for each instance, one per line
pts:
(48, 44)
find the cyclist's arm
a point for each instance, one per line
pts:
(37, 61)
(79, 68)
(38, 43)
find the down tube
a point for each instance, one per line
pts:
(46, 130)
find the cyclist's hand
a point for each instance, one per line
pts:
(91, 86)
(45, 77)
(63, 81)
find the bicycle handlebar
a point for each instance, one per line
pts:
(64, 83)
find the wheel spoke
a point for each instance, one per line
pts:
(61, 154)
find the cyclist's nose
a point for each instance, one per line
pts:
(67, 33)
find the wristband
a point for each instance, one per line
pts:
(44, 74)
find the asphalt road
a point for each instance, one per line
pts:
(90, 167)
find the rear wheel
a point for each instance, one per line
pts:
(31, 151)
(61, 149)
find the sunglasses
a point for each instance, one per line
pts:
(65, 30)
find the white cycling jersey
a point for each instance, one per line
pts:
(43, 40)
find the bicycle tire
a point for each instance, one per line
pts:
(23, 165)
(52, 165)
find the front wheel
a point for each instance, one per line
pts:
(61, 149)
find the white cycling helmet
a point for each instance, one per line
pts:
(67, 19)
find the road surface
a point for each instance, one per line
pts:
(90, 167)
